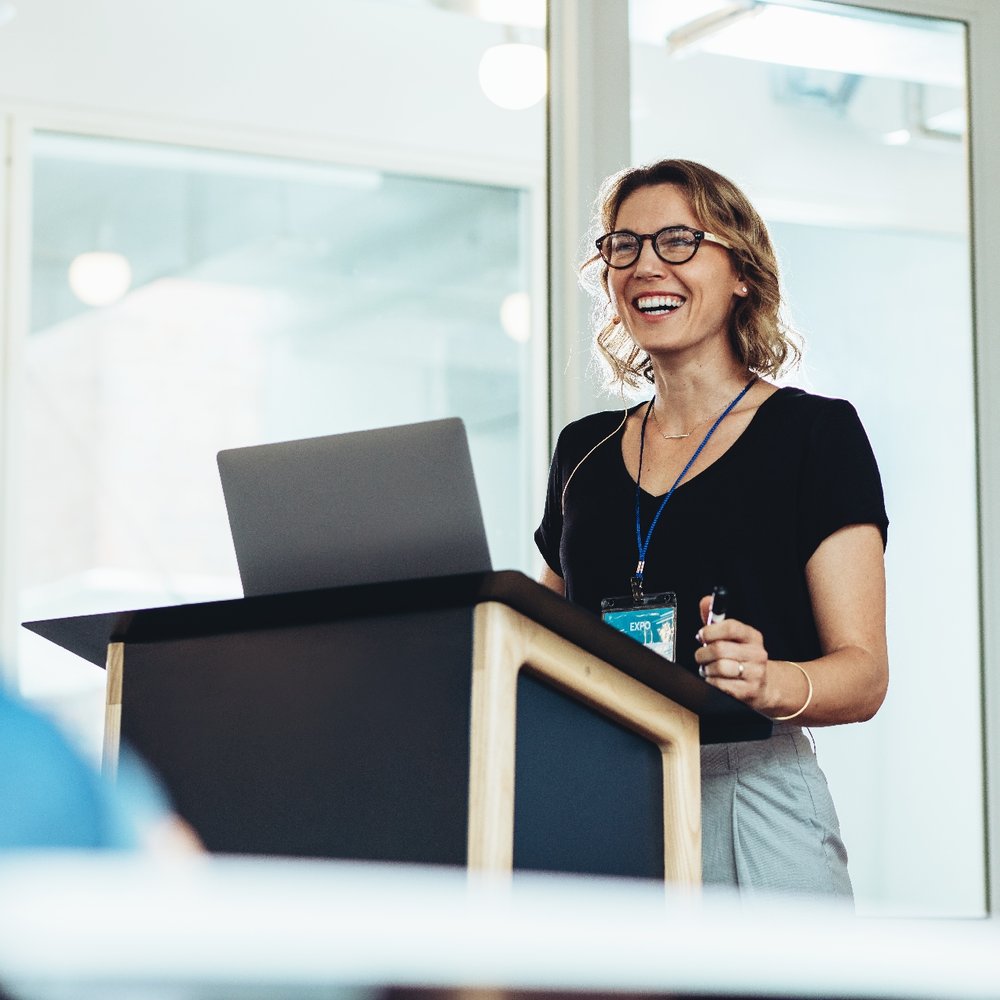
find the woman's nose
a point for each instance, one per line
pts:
(648, 262)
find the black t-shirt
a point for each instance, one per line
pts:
(802, 469)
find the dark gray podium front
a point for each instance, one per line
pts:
(379, 723)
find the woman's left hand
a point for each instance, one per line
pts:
(732, 658)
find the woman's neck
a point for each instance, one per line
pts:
(685, 398)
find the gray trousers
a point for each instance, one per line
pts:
(768, 822)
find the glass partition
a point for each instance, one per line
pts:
(188, 300)
(847, 129)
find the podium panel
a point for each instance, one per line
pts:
(345, 739)
(589, 791)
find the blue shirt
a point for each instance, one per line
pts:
(50, 797)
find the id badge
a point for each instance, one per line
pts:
(651, 620)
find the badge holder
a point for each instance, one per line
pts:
(650, 619)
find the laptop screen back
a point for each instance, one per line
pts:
(393, 503)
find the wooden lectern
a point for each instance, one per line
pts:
(475, 720)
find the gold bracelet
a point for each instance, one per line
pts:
(809, 696)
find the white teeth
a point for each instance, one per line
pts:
(659, 303)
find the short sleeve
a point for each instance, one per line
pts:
(840, 483)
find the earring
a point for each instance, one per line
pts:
(744, 289)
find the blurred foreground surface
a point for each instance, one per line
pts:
(83, 927)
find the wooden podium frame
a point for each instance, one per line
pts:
(517, 625)
(507, 641)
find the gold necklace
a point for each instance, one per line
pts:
(668, 437)
(678, 437)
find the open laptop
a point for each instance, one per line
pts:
(393, 503)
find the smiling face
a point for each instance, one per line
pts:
(673, 310)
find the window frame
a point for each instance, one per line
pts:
(20, 122)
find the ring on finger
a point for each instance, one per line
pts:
(739, 663)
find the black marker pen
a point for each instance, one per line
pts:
(717, 609)
(716, 612)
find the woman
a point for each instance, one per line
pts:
(723, 478)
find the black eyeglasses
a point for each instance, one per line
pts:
(673, 245)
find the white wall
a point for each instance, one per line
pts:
(397, 81)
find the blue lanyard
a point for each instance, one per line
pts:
(643, 545)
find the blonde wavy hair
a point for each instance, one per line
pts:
(761, 338)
